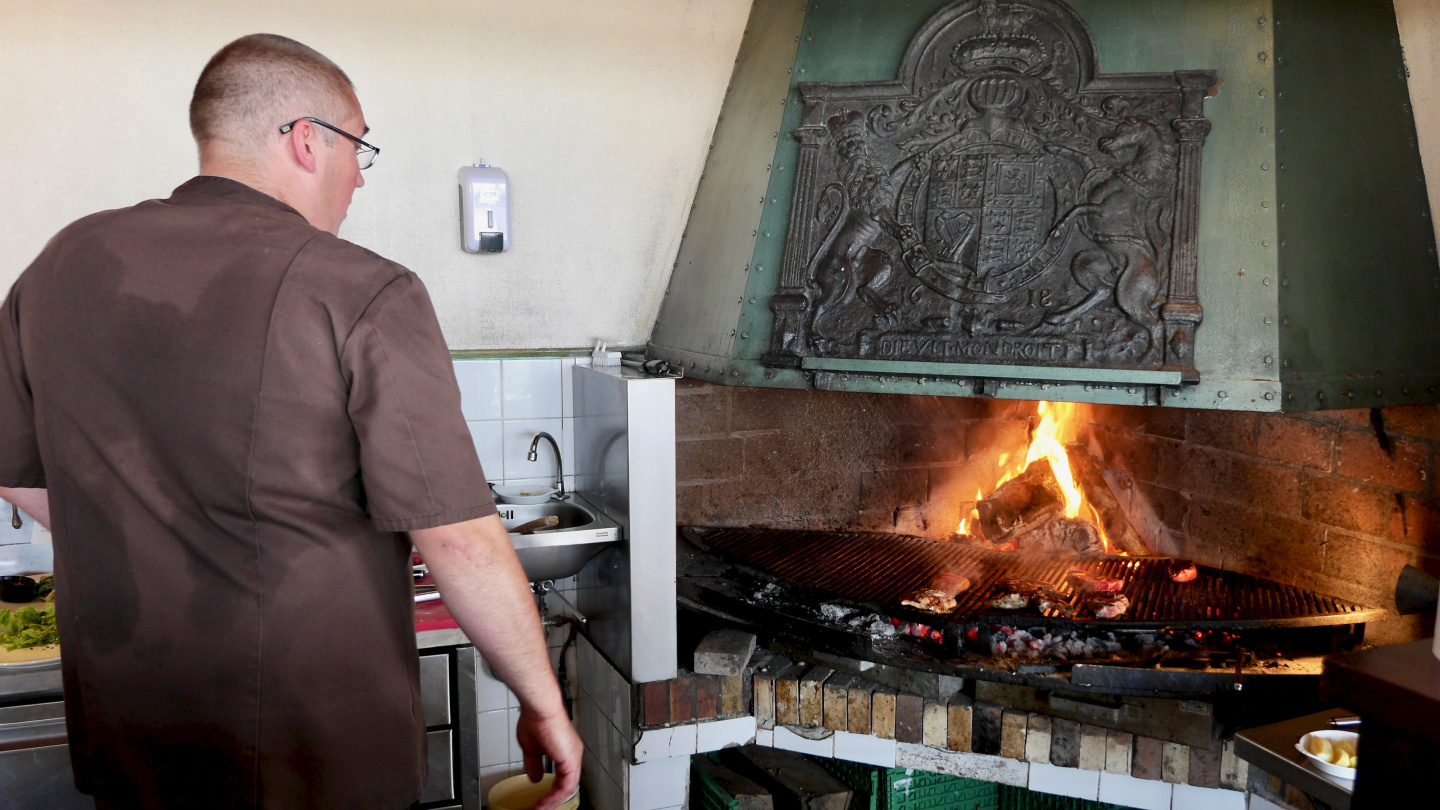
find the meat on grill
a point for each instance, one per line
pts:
(938, 596)
(1086, 582)
(1108, 606)
(1183, 571)
(1018, 594)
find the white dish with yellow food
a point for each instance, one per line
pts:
(1333, 752)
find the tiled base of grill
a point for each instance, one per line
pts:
(868, 723)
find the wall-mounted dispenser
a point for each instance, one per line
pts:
(484, 209)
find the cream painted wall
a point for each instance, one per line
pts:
(600, 112)
(1419, 22)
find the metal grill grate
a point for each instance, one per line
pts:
(883, 568)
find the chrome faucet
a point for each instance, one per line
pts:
(559, 465)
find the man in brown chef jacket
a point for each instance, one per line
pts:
(236, 424)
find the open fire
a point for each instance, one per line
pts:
(1054, 499)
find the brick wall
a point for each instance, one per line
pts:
(1308, 499)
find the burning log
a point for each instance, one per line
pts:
(1061, 534)
(1025, 501)
(1092, 483)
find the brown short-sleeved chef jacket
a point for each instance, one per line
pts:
(236, 415)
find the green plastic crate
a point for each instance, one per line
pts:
(1016, 798)
(863, 779)
(706, 794)
(908, 789)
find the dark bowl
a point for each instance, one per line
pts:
(17, 589)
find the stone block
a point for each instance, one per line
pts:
(1037, 739)
(682, 698)
(1064, 743)
(812, 696)
(1205, 767)
(985, 730)
(1012, 734)
(1118, 746)
(748, 794)
(909, 714)
(732, 694)
(724, 652)
(956, 763)
(1175, 763)
(1234, 771)
(962, 720)
(837, 702)
(1148, 759)
(795, 781)
(934, 724)
(1092, 748)
(787, 695)
(656, 697)
(764, 701)
(858, 718)
(882, 713)
(707, 696)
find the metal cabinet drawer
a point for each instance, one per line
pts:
(435, 689)
(40, 778)
(440, 783)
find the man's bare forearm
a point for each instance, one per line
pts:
(35, 502)
(486, 591)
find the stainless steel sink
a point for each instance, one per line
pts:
(561, 551)
(26, 558)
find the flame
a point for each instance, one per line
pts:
(964, 527)
(1047, 444)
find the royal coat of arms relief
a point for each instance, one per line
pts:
(999, 202)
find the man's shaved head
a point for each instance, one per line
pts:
(256, 84)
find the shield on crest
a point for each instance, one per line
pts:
(987, 213)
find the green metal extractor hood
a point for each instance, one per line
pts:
(970, 198)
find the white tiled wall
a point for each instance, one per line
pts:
(602, 716)
(506, 402)
(500, 755)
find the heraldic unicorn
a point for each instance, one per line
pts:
(999, 202)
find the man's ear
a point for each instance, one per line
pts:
(301, 142)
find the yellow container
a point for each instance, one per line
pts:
(519, 793)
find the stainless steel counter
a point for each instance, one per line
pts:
(29, 681)
(1272, 749)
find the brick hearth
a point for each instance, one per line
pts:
(1308, 499)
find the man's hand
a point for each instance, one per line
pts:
(556, 738)
(485, 589)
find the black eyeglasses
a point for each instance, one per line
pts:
(365, 153)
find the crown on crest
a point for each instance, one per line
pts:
(1004, 44)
